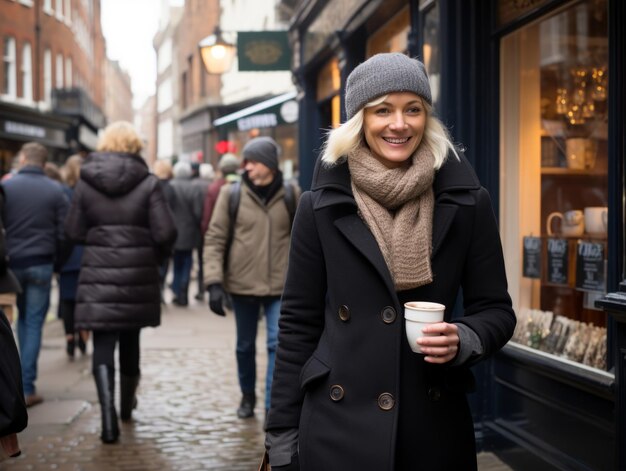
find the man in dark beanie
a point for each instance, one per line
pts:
(247, 257)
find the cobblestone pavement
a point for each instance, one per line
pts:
(185, 419)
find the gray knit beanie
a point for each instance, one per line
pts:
(229, 163)
(262, 149)
(382, 74)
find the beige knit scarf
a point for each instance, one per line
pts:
(397, 205)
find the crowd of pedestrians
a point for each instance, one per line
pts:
(111, 232)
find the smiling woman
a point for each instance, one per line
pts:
(394, 128)
(395, 215)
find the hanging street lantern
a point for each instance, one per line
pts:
(217, 53)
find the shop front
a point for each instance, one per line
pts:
(20, 124)
(275, 117)
(534, 91)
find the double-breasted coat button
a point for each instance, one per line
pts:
(434, 394)
(344, 313)
(386, 401)
(388, 314)
(336, 392)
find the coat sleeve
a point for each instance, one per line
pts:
(161, 223)
(76, 222)
(215, 239)
(302, 317)
(13, 416)
(488, 307)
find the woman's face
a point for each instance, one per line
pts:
(394, 128)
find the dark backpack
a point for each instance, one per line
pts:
(234, 197)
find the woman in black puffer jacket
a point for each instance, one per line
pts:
(120, 215)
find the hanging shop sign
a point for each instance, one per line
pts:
(263, 50)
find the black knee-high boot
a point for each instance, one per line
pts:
(128, 398)
(105, 384)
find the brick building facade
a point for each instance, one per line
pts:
(52, 76)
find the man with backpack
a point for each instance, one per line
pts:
(245, 254)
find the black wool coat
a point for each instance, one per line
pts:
(344, 374)
(120, 215)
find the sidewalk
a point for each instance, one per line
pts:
(185, 419)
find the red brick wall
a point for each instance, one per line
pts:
(198, 21)
(60, 36)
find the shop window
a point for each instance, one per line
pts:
(59, 9)
(59, 71)
(68, 72)
(27, 73)
(9, 80)
(328, 85)
(393, 36)
(554, 165)
(68, 11)
(47, 75)
(431, 52)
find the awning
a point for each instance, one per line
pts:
(282, 109)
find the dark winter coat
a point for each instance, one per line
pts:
(34, 214)
(68, 273)
(120, 214)
(13, 415)
(344, 373)
(187, 211)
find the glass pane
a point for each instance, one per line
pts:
(431, 50)
(554, 174)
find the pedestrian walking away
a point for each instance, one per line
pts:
(162, 169)
(120, 215)
(34, 214)
(201, 182)
(187, 211)
(68, 273)
(245, 255)
(395, 214)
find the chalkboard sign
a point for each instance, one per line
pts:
(590, 267)
(558, 261)
(532, 257)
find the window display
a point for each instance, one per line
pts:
(554, 171)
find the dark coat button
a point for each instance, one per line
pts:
(434, 394)
(388, 314)
(386, 401)
(336, 392)
(344, 313)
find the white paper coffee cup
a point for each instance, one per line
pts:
(417, 315)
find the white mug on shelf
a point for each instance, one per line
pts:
(596, 221)
(580, 153)
(572, 223)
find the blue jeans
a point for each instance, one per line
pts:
(32, 306)
(182, 271)
(247, 310)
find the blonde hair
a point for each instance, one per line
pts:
(162, 168)
(70, 172)
(120, 136)
(349, 136)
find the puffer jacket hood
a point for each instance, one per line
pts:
(113, 173)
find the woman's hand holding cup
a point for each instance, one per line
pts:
(443, 347)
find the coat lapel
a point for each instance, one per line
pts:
(442, 219)
(357, 233)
